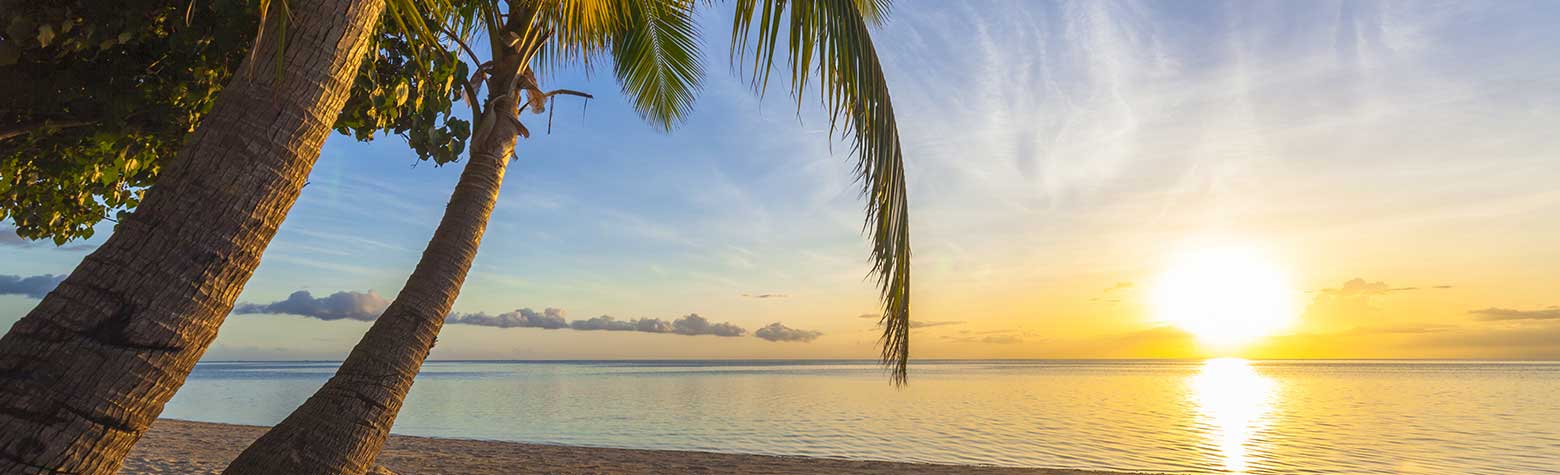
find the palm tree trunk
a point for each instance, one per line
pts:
(343, 426)
(85, 373)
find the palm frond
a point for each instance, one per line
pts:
(657, 61)
(830, 39)
(580, 31)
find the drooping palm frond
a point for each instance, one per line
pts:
(830, 39)
(657, 61)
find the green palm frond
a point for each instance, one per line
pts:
(830, 39)
(580, 32)
(657, 61)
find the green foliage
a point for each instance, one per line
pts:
(100, 95)
(97, 94)
(411, 92)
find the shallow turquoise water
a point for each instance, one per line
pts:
(1179, 416)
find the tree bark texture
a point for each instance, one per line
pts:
(88, 370)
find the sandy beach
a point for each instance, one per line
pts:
(185, 447)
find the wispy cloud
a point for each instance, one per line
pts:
(1503, 314)
(1118, 287)
(989, 339)
(766, 296)
(918, 323)
(934, 323)
(1406, 329)
(35, 286)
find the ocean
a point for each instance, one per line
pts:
(1216, 416)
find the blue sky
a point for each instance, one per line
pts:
(1054, 150)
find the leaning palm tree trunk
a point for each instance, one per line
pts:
(85, 373)
(343, 426)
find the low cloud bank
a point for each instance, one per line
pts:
(366, 306)
(553, 319)
(777, 332)
(362, 306)
(550, 318)
(35, 286)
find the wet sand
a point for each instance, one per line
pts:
(184, 447)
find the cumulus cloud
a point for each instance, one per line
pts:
(652, 325)
(777, 332)
(1359, 287)
(870, 315)
(35, 286)
(606, 323)
(693, 324)
(1502, 314)
(348, 305)
(549, 318)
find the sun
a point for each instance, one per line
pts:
(1225, 296)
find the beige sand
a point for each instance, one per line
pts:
(185, 447)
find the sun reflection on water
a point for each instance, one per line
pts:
(1233, 403)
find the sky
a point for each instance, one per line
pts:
(1393, 162)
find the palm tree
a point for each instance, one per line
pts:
(85, 373)
(343, 426)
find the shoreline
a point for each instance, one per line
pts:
(175, 446)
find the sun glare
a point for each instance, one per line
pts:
(1233, 400)
(1225, 296)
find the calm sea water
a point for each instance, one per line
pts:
(1175, 416)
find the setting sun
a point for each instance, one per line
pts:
(1225, 296)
